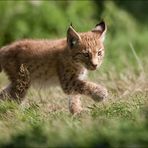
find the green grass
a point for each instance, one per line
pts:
(119, 122)
(44, 120)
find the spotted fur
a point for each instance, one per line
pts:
(64, 61)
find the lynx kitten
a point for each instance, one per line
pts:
(64, 61)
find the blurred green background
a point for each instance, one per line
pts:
(126, 20)
(122, 121)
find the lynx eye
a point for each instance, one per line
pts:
(86, 54)
(99, 53)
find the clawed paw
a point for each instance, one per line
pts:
(100, 94)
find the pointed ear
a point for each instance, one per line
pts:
(73, 37)
(100, 28)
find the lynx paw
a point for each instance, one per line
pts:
(100, 94)
(75, 109)
(75, 105)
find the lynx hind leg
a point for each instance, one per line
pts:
(5, 93)
(75, 104)
(18, 87)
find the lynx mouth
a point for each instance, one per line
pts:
(91, 68)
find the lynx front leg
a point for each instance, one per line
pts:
(95, 91)
(75, 104)
(18, 87)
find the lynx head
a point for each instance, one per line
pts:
(87, 48)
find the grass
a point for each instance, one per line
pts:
(115, 123)
(43, 120)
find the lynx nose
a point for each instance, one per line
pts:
(94, 66)
(94, 63)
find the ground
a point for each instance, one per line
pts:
(43, 120)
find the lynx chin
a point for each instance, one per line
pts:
(63, 61)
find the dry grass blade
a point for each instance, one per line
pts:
(137, 58)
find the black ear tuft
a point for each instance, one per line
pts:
(100, 27)
(101, 30)
(71, 25)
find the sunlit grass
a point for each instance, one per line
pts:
(43, 120)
